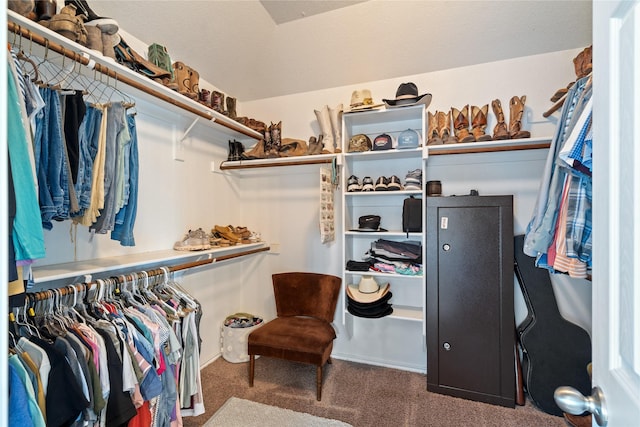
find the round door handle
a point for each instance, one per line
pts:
(573, 402)
(446, 247)
(446, 346)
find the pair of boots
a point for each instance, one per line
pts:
(187, 79)
(440, 128)
(478, 123)
(516, 111)
(330, 121)
(217, 103)
(269, 146)
(236, 151)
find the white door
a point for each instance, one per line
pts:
(616, 207)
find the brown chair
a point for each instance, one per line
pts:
(302, 332)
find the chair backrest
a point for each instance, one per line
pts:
(306, 294)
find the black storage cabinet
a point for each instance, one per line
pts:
(470, 280)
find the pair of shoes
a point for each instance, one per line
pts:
(391, 183)
(194, 240)
(227, 232)
(353, 184)
(413, 180)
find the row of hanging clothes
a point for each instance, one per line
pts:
(73, 150)
(121, 351)
(559, 234)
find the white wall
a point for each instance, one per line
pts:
(282, 203)
(394, 342)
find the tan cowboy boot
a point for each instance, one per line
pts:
(516, 111)
(432, 137)
(444, 127)
(500, 129)
(461, 124)
(231, 108)
(479, 122)
(256, 152)
(194, 81)
(183, 78)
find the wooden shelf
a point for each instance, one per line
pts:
(490, 146)
(41, 41)
(85, 269)
(279, 161)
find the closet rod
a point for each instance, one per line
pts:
(248, 164)
(68, 289)
(69, 53)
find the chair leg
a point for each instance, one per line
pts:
(319, 383)
(252, 365)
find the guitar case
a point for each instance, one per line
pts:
(555, 351)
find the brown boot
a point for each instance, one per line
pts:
(256, 152)
(461, 124)
(500, 129)
(516, 110)
(276, 139)
(181, 71)
(231, 107)
(479, 122)
(444, 127)
(194, 81)
(432, 137)
(217, 101)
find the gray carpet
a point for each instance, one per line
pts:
(358, 394)
(245, 413)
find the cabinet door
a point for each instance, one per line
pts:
(470, 297)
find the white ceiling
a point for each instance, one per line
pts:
(255, 49)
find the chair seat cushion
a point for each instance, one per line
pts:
(300, 339)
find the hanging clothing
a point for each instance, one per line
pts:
(559, 232)
(27, 237)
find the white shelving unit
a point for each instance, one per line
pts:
(408, 290)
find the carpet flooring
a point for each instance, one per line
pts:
(358, 394)
(245, 413)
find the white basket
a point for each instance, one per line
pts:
(234, 343)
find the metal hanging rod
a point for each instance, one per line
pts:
(70, 53)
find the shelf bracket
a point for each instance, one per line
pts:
(178, 147)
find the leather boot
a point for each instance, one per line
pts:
(500, 129)
(232, 151)
(217, 101)
(276, 139)
(432, 136)
(479, 122)
(204, 97)
(94, 39)
(516, 111)
(239, 149)
(324, 120)
(461, 124)
(335, 116)
(256, 152)
(45, 9)
(231, 107)
(194, 81)
(444, 127)
(181, 71)
(267, 139)
(315, 145)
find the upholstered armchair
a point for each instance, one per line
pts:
(302, 330)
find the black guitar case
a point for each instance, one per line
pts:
(555, 351)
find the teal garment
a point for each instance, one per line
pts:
(28, 236)
(32, 406)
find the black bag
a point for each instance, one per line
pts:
(412, 215)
